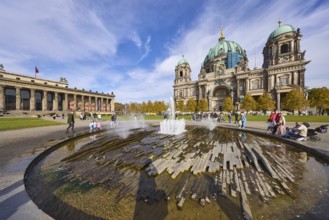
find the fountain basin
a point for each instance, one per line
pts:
(210, 174)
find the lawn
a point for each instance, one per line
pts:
(289, 118)
(18, 123)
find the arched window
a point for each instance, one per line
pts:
(284, 48)
(181, 74)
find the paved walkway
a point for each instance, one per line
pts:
(19, 147)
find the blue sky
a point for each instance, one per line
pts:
(131, 47)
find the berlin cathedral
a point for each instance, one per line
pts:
(225, 72)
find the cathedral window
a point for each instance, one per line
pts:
(255, 84)
(284, 48)
(181, 74)
(284, 80)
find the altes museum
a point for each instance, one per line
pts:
(224, 71)
(29, 95)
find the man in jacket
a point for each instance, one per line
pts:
(70, 121)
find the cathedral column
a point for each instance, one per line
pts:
(295, 78)
(55, 102)
(278, 101)
(237, 89)
(18, 98)
(2, 95)
(32, 100)
(247, 85)
(44, 101)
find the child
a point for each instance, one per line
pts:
(92, 126)
(270, 126)
(99, 125)
(281, 129)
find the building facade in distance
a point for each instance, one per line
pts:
(225, 71)
(29, 95)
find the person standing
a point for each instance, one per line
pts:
(70, 121)
(229, 117)
(243, 120)
(236, 117)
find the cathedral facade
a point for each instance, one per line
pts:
(225, 72)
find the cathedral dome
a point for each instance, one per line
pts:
(287, 28)
(223, 47)
(182, 61)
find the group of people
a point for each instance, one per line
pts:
(277, 125)
(94, 125)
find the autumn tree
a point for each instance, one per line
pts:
(149, 106)
(134, 108)
(190, 105)
(294, 100)
(228, 104)
(319, 98)
(143, 107)
(202, 105)
(180, 105)
(248, 103)
(119, 107)
(265, 102)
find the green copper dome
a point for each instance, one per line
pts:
(222, 48)
(281, 30)
(182, 61)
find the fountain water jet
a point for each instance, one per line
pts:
(172, 125)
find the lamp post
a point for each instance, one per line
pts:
(278, 87)
(306, 97)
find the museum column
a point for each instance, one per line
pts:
(74, 102)
(83, 103)
(32, 100)
(55, 102)
(18, 98)
(108, 107)
(65, 102)
(102, 102)
(2, 100)
(89, 104)
(44, 101)
(112, 105)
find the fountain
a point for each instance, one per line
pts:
(172, 125)
(201, 173)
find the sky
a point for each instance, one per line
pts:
(131, 47)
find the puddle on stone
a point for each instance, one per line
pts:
(200, 174)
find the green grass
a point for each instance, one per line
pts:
(289, 118)
(19, 123)
(292, 118)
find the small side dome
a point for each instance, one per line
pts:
(287, 28)
(182, 61)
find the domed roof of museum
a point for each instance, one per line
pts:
(282, 29)
(223, 47)
(182, 61)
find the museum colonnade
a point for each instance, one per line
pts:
(41, 99)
